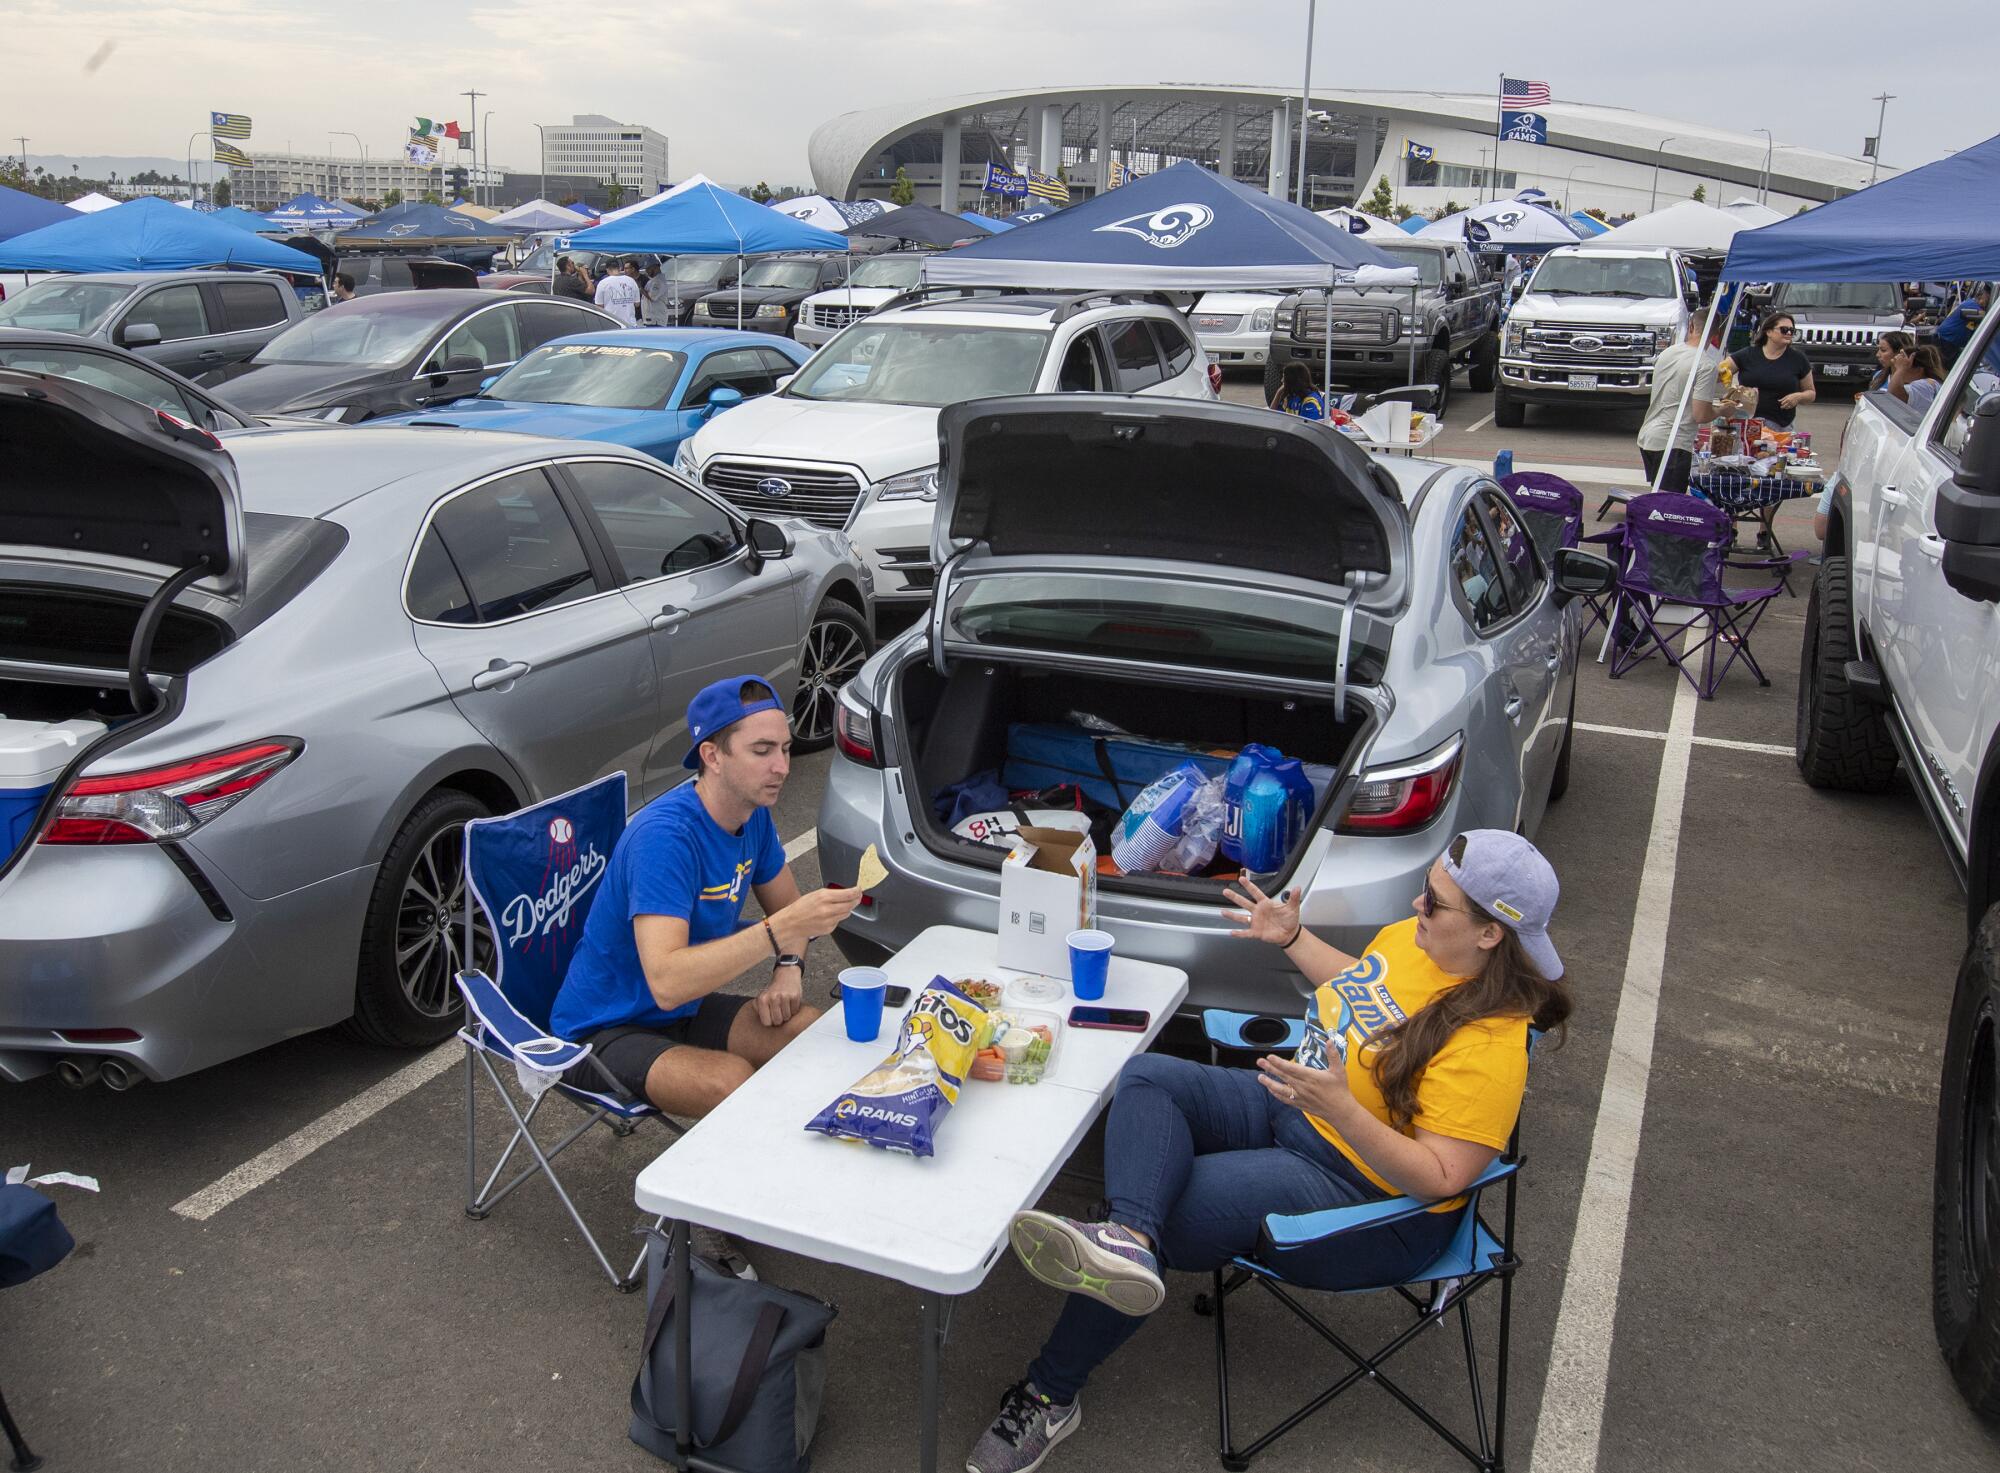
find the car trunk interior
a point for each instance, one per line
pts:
(958, 726)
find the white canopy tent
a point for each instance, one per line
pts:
(540, 214)
(1348, 218)
(1698, 229)
(1753, 214)
(91, 203)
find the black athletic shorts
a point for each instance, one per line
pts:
(629, 1050)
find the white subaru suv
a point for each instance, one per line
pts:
(852, 440)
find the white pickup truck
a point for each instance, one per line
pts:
(1902, 660)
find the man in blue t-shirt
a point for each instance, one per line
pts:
(667, 931)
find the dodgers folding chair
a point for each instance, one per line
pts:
(533, 875)
(1676, 552)
(1303, 1253)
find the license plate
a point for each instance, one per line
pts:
(1836, 370)
(1583, 381)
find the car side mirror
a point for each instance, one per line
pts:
(783, 383)
(719, 399)
(139, 335)
(1968, 510)
(1693, 300)
(1581, 574)
(488, 382)
(767, 541)
(1514, 292)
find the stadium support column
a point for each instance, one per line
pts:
(1281, 138)
(948, 168)
(1049, 140)
(1225, 163)
(1106, 111)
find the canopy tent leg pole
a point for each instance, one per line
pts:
(1412, 335)
(1327, 388)
(1687, 390)
(739, 291)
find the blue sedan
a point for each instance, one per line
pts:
(649, 388)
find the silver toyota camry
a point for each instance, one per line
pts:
(250, 689)
(1128, 584)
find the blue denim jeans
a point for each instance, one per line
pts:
(1195, 1157)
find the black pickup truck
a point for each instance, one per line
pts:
(1379, 334)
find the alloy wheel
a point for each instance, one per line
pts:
(832, 653)
(430, 927)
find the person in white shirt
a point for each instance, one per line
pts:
(1670, 376)
(658, 292)
(618, 294)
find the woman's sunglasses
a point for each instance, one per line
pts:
(1784, 331)
(1432, 904)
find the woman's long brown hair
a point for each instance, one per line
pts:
(1508, 986)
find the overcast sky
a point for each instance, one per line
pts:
(739, 86)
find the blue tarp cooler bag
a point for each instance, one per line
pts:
(33, 755)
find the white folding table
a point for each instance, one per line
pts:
(751, 1167)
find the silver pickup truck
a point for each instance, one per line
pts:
(1902, 661)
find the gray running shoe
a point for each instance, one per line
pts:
(1100, 1259)
(721, 1250)
(1028, 1426)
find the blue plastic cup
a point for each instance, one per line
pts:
(1089, 963)
(861, 992)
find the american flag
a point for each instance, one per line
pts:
(1515, 94)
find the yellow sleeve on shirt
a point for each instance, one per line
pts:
(1471, 1089)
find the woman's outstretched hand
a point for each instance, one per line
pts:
(1263, 919)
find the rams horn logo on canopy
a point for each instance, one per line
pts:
(1507, 219)
(1164, 228)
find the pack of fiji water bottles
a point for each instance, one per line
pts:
(1251, 815)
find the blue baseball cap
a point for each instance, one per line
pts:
(1506, 876)
(720, 706)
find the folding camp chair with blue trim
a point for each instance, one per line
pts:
(534, 874)
(1302, 1252)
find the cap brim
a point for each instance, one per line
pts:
(1542, 952)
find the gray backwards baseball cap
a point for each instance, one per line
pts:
(1506, 876)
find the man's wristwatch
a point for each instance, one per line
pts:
(788, 959)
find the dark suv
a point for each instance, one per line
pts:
(768, 296)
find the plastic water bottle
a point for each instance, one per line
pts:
(1503, 465)
(1266, 820)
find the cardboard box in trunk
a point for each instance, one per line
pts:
(1048, 888)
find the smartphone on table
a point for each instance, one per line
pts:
(892, 996)
(1116, 1020)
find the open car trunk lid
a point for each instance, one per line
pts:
(1212, 542)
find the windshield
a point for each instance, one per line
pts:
(1581, 275)
(602, 375)
(64, 306)
(543, 259)
(367, 333)
(698, 268)
(795, 276)
(1847, 296)
(1429, 264)
(918, 363)
(896, 271)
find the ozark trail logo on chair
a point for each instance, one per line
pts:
(774, 486)
(568, 876)
(1164, 229)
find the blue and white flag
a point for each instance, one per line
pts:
(1524, 128)
(1004, 181)
(1423, 153)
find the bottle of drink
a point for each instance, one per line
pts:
(1266, 837)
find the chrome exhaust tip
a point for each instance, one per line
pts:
(119, 1075)
(78, 1072)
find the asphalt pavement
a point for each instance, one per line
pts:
(1724, 1216)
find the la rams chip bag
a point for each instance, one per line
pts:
(898, 1105)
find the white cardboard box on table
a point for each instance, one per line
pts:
(1048, 888)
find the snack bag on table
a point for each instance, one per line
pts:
(899, 1104)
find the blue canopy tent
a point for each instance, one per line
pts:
(246, 220)
(1029, 214)
(992, 222)
(147, 235)
(1413, 223)
(462, 238)
(20, 212)
(1589, 224)
(703, 220)
(310, 212)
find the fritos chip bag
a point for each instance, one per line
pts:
(898, 1104)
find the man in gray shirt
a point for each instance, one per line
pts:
(1670, 377)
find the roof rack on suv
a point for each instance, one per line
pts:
(1087, 301)
(917, 295)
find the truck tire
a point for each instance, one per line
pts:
(1839, 742)
(1485, 363)
(1509, 413)
(1274, 377)
(1437, 370)
(1965, 1227)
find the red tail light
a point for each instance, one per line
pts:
(854, 731)
(169, 802)
(1215, 379)
(1405, 797)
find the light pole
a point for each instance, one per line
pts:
(1305, 99)
(1764, 183)
(486, 167)
(343, 133)
(1875, 154)
(1654, 203)
(542, 142)
(1567, 202)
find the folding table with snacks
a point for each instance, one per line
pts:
(751, 1168)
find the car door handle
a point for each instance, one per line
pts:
(1932, 548)
(1513, 708)
(211, 355)
(1890, 496)
(1553, 657)
(668, 619)
(497, 674)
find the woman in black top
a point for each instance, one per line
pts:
(1780, 373)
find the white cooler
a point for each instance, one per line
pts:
(32, 756)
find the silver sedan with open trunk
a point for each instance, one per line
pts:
(1191, 578)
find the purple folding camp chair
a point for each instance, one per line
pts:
(1676, 552)
(1552, 510)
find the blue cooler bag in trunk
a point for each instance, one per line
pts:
(1269, 802)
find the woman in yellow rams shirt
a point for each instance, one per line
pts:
(1408, 1084)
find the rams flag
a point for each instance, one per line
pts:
(229, 153)
(1043, 187)
(229, 125)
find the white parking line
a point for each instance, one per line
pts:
(1473, 429)
(266, 1165)
(1769, 749)
(1572, 1416)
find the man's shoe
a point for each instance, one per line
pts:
(1028, 1426)
(1100, 1259)
(721, 1250)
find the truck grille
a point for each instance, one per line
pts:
(1217, 322)
(1837, 337)
(823, 497)
(837, 317)
(1588, 342)
(1369, 326)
